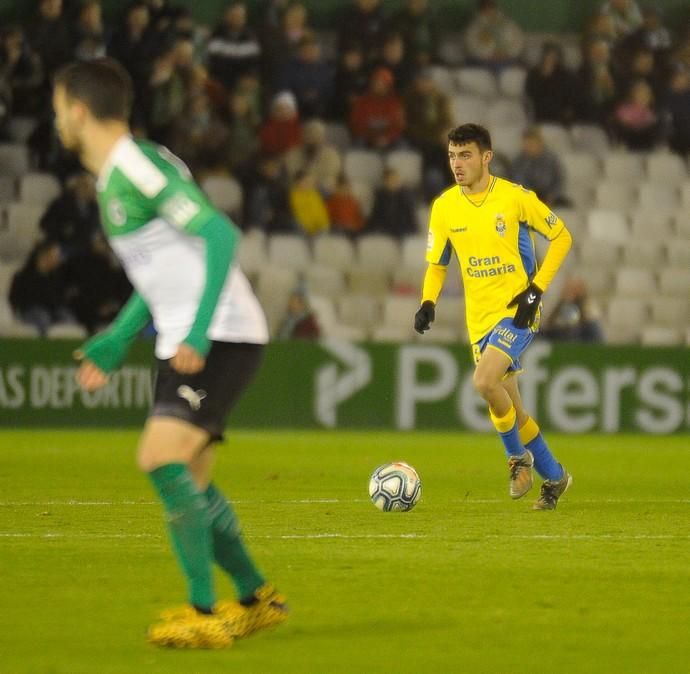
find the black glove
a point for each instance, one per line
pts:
(527, 303)
(424, 317)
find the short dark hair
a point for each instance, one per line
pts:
(470, 133)
(103, 85)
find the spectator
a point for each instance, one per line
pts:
(282, 130)
(49, 35)
(636, 121)
(90, 35)
(596, 87)
(625, 14)
(550, 87)
(377, 119)
(316, 156)
(539, 169)
(310, 78)
(394, 210)
(37, 292)
(576, 318)
(492, 39)
(351, 79)
(300, 321)
(96, 285)
(417, 25)
(307, 204)
(167, 95)
(600, 26)
(363, 24)
(639, 65)
(678, 106)
(652, 34)
(243, 140)
(72, 219)
(21, 74)
(344, 210)
(266, 197)
(393, 58)
(428, 116)
(284, 24)
(233, 48)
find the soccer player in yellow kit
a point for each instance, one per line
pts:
(489, 222)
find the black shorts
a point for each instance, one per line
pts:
(205, 399)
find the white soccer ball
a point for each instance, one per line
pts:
(395, 486)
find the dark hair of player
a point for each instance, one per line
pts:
(103, 85)
(471, 133)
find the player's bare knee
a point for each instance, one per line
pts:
(484, 385)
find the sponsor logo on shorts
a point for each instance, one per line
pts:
(193, 397)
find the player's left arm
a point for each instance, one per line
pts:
(539, 217)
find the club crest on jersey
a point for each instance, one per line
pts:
(551, 219)
(116, 212)
(500, 224)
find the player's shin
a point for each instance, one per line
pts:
(506, 426)
(228, 548)
(189, 524)
(544, 462)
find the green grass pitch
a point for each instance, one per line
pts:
(469, 581)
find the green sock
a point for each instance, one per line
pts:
(190, 529)
(228, 547)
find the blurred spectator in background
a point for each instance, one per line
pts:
(351, 80)
(428, 118)
(417, 25)
(599, 26)
(243, 139)
(234, 48)
(652, 34)
(394, 210)
(307, 204)
(596, 87)
(550, 86)
(625, 14)
(72, 219)
(316, 156)
(300, 321)
(639, 65)
(362, 23)
(377, 119)
(90, 33)
(394, 59)
(282, 31)
(50, 36)
(344, 210)
(37, 292)
(309, 78)
(21, 74)
(282, 130)
(678, 107)
(96, 286)
(637, 123)
(266, 197)
(576, 318)
(167, 94)
(492, 40)
(539, 169)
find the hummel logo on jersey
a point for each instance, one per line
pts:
(458, 229)
(530, 298)
(193, 397)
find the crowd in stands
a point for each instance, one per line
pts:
(258, 99)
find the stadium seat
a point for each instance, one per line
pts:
(651, 196)
(681, 222)
(557, 139)
(252, 254)
(439, 335)
(511, 81)
(399, 310)
(590, 251)
(276, 283)
(685, 195)
(365, 280)
(409, 276)
(650, 223)
(334, 251)
(443, 78)
(507, 140)
(623, 166)
(324, 309)
(665, 168)
(364, 194)
(596, 276)
(635, 282)
(423, 212)
(225, 193)
(506, 112)
(607, 225)
(678, 253)
(675, 281)
(338, 135)
(39, 188)
(450, 313)
(450, 50)
(616, 194)
(22, 231)
(325, 280)
(572, 218)
(66, 331)
(408, 164)
(580, 195)
(478, 81)
(467, 108)
(363, 166)
(643, 252)
(393, 334)
(361, 311)
(413, 249)
(8, 189)
(672, 312)
(656, 335)
(14, 159)
(580, 167)
(589, 138)
(20, 128)
(378, 251)
(625, 317)
(289, 251)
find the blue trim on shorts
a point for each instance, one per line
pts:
(506, 338)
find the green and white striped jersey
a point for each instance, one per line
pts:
(151, 210)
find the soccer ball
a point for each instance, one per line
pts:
(395, 486)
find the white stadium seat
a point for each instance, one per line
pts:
(672, 312)
(364, 194)
(39, 188)
(365, 280)
(675, 282)
(225, 193)
(643, 252)
(413, 250)
(378, 251)
(607, 225)
(289, 250)
(443, 78)
(616, 194)
(665, 168)
(362, 311)
(655, 335)
(334, 251)
(468, 108)
(589, 138)
(623, 166)
(635, 282)
(252, 251)
(476, 81)
(557, 139)
(324, 280)
(511, 81)
(506, 112)
(581, 167)
(678, 252)
(364, 166)
(647, 223)
(14, 159)
(651, 196)
(338, 135)
(408, 164)
(591, 251)
(507, 140)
